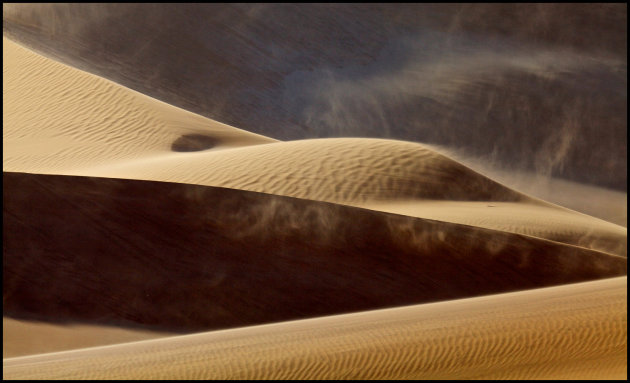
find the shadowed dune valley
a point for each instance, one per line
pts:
(314, 191)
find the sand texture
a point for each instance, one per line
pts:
(30, 337)
(257, 257)
(573, 331)
(337, 253)
(352, 171)
(539, 87)
(57, 119)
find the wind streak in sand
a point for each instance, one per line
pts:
(568, 332)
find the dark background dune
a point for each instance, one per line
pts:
(537, 87)
(187, 257)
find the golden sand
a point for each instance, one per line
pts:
(567, 332)
(60, 120)
(85, 125)
(21, 337)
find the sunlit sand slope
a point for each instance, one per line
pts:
(340, 170)
(57, 118)
(541, 87)
(29, 337)
(182, 256)
(567, 332)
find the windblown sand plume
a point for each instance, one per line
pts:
(257, 257)
(109, 133)
(127, 219)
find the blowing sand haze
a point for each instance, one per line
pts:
(142, 240)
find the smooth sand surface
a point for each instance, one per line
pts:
(265, 231)
(29, 337)
(567, 332)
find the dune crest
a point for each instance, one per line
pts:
(121, 210)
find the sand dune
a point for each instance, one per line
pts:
(339, 170)
(386, 175)
(604, 203)
(121, 210)
(566, 332)
(121, 246)
(29, 337)
(94, 127)
(541, 87)
(57, 119)
(560, 225)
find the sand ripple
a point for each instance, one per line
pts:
(249, 230)
(567, 332)
(57, 119)
(61, 120)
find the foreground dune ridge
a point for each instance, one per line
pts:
(573, 331)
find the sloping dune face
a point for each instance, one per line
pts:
(547, 82)
(385, 175)
(123, 247)
(85, 121)
(340, 170)
(79, 124)
(567, 332)
(56, 118)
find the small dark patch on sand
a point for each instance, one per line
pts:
(193, 143)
